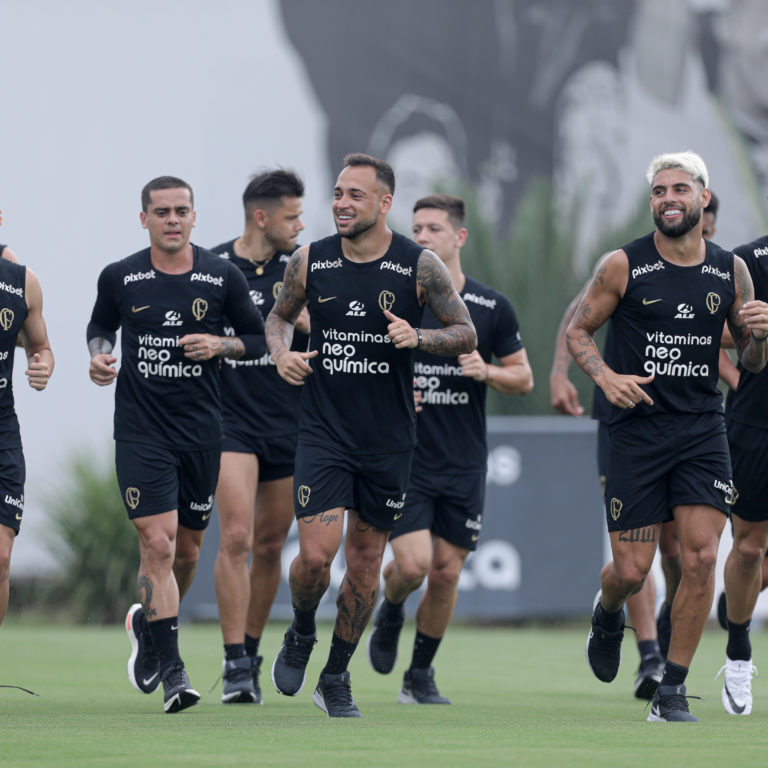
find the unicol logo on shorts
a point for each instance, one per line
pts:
(136, 277)
(708, 270)
(204, 277)
(399, 268)
(197, 507)
(14, 502)
(646, 269)
(335, 264)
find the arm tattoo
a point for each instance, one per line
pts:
(145, 595)
(583, 348)
(752, 352)
(232, 348)
(99, 346)
(292, 298)
(457, 336)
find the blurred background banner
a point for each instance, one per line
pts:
(543, 114)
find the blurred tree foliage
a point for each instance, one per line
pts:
(534, 266)
(93, 541)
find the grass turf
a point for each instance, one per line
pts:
(520, 697)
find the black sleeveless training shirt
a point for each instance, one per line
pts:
(669, 323)
(13, 313)
(360, 394)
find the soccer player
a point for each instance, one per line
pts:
(365, 288)
(443, 512)
(254, 497)
(747, 423)
(21, 315)
(170, 300)
(667, 295)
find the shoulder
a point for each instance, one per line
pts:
(753, 251)
(224, 250)
(483, 295)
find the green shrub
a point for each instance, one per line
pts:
(93, 541)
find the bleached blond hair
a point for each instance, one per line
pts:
(689, 162)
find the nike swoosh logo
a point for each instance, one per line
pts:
(322, 300)
(18, 515)
(646, 302)
(736, 708)
(149, 680)
(475, 537)
(174, 627)
(205, 517)
(398, 516)
(140, 309)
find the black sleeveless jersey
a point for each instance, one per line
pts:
(13, 313)
(451, 426)
(360, 394)
(253, 396)
(669, 323)
(749, 404)
(162, 396)
(2, 248)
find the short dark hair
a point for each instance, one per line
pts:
(714, 204)
(384, 171)
(271, 186)
(453, 206)
(163, 182)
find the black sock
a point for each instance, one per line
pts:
(610, 621)
(392, 612)
(674, 674)
(649, 648)
(739, 647)
(234, 651)
(424, 650)
(251, 645)
(165, 639)
(339, 656)
(304, 621)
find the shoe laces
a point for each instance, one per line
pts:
(338, 693)
(297, 651)
(672, 701)
(19, 688)
(738, 675)
(174, 675)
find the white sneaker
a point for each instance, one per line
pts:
(737, 686)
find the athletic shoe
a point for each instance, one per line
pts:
(238, 683)
(722, 611)
(143, 663)
(737, 686)
(179, 694)
(649, 676)
(289, 669)
(670, 705)
(664, 626)
(419, 688)
(382, 642)
(334, 696)
(255, 670)
(603, 649)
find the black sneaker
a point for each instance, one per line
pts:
(179, 694)
(334, 696)
(670, 705)
(419, 688)
(649, 676)
(143, 663)
(722, 611)
(382, 642)
(603, 649)
(664, 627)
(255, 670)
(289, 668)
(238, 683)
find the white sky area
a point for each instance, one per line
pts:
(96, 100)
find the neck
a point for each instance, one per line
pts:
(369, 246)
(172, 262)
(688, 249)
(252, 245)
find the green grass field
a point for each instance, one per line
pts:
(521, 697)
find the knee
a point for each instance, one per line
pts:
(157, 549)
(445, 578)
(701, 561)
(749, 553)
(631, 574)
(413, 569)
(269, 550)
(364, 562)
(235, 542)
(312, 563)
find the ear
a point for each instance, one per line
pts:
(194, 218)
(143, 219)
(706, 196)
(461, 237)
(260, 218)
(386, 203)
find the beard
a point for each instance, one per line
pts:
(360, 227)
(683, 227)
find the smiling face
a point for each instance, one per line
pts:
(169, 218)
(677, 202)
(359, 201)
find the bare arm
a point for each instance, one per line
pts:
(34, 335)
(597, 305)
(562, 394)
(748, 320)
(512, 377)
(281, 321)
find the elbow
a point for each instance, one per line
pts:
(527, 385)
